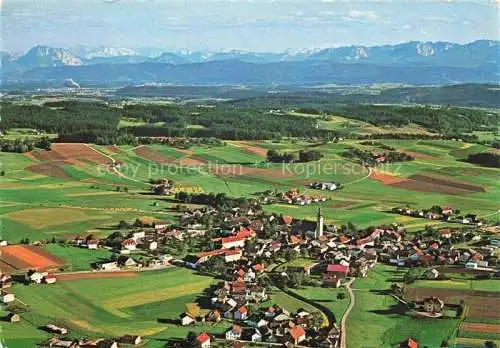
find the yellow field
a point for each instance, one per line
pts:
(48, 217)
(188, 188)
(156, 295)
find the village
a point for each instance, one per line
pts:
(250, 251)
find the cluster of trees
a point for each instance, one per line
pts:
(369, 158)
(217, 200)
(288, 157)
(26, 145)
(452, 121)
(378, 144)
(487, 159)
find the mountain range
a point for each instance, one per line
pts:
(436, 62)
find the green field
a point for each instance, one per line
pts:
(383, 320)
(148, 303)
(362, 200)
(81, 259)
(469, 284)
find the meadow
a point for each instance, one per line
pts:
(383, 320)
(90, 198)
(149, 303)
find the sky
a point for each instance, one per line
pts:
(257, 25)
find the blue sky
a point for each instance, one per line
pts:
(257, 25)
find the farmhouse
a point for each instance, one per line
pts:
(203, 340)
(109, 266)
(337, 270)
(297, 334)
(6, 297)
(233, 242)
(5, 281)
(234, 333)
(433, 304)
(129, 244)
(56, 329)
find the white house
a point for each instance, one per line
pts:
(6, 297)
(233, 255)
(92, 244)
(186, 319)
(234, 333)
(203, 340)
(109, 266)
(256, 337)
(129, 244)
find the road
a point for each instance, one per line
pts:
(360, 179)
(113, 168)
(343, 331)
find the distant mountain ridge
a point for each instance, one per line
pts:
(474, 54)
(437, 62)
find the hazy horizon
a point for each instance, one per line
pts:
(264, 26)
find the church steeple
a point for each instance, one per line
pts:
(319, 224)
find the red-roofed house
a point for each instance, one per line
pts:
(338, 270)
(446, 210)
(232, 255)
(294, 239)
(245, 232)
(234, 333)
(203, 340)
(330, 279)
(287, 219)
(258, 267)
(297, 334)
(361, 243)
(50, 278)
(344, 239)
(241, 313)
(205, 255)
(409, 343)
(233, 242)
(275, 246)
(129, 244)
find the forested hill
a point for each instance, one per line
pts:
(100, 123)
(478, 95)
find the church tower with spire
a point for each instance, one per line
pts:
(320, 221)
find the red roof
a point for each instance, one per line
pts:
(258, 267)
(237, 329)
(434, 245)
(243, 309)
(337, 268)
(410, 343)
(364, 241)
(232, 252)
(203, 337)
(287, 219)
(232, 239)
(296, 332)
(211, 253)
(245, 232)
(276, 245)
(344, 239)
(294, 239)
(129, 242)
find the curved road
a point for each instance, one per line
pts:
(343, 332)
(113, 168)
